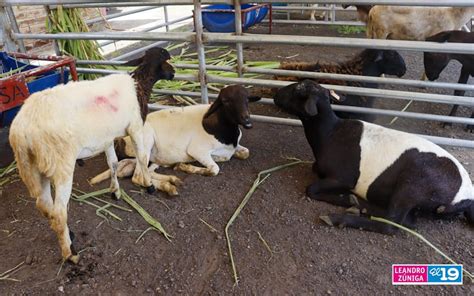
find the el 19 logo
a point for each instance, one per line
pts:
(447, 274)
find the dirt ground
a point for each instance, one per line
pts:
(307, 258)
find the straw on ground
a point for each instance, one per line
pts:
(261, 177)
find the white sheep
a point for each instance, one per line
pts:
(203, 133)
(416, 22)
(77, 120)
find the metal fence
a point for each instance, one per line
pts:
(200, 38)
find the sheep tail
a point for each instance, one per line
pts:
(100, 177)
(28, 171)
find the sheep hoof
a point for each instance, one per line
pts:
(354, 200)
(176, 181)
(74, 259)
(115, 195)
(173, 192)
(353, 211)
(150, 189)
(326, 220)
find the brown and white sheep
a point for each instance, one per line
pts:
(203, 133)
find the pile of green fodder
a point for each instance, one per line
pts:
(65, 20)
(216, 56)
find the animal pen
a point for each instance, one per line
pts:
(191, 263)
(13, 39)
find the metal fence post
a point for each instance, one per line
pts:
(15, 28)
(9, 42)
(238, 31)
(165, 11)
(200, 51)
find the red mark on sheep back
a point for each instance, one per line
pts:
(102, 101)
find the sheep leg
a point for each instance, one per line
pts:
(325, 185)
(204, 158)
(44, 202)
(397, 212)
(241, 152)
(220, 158)
(58, 219)
(342, 200)
(141, 175)
(463, 78)
(342, 220)
(165, 186)
(125, 169)
(162, 182)
(112, 162)
(361, 206)
(167, 178)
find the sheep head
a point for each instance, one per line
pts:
(388, 62)
(302, 98)
(151, 67)
(153, 64)
(232, 103)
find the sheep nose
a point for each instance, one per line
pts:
(246, 123)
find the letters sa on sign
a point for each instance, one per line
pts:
(13, 92)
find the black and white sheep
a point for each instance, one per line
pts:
(436, 62)
(57, 126)
(202, 133)
(396, 173)
(370, 62)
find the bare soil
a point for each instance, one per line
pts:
(307, 256)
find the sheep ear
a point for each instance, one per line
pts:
(213, 108)
(134, 62)
(310, 106)
(254, 98)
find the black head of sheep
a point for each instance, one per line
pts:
(151, 67)
(153, 64)
(387, 62)
(302, 99)
(233, 104)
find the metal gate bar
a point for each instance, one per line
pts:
(200, 38)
